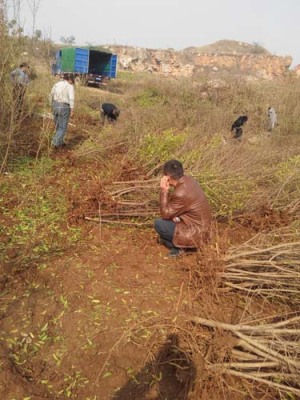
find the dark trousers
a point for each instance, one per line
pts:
(110, 117)
(165, 229)
(238, 133)
(19, 94)
(61, 115)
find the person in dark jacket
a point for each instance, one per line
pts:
(109, 111)
(186, 214)
(20, 79)
(237, 126)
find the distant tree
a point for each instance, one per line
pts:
(90, 45)
(38, 34)
(69, 40)
(3, 24)
(34, 6)
(13, 28)
(16, 8)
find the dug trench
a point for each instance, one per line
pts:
(113, 319)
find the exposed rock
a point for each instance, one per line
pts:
(204, 95)
(297, 70)
(257, 63)
(217, 84)
(261, 66)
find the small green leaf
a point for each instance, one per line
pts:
(45, 327)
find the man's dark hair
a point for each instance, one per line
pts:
(174, 169)
(24, 65)
(69, 77)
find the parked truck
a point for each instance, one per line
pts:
(89, 67)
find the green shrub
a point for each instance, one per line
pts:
(286, 182)
(149, 97)
(228, 195)
(288, 168)
(34, 215)
(158, 148)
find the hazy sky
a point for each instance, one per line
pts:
(275, 24)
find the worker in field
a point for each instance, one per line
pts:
(20, 79)
(109, 111)
(272, 118)
(237, 127)
(62, 99)
(186, 214)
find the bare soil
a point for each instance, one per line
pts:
(109, 321)
(97, 308)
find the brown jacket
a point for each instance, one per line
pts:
(188, 202)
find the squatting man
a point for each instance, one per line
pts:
(186, 214)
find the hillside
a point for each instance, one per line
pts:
(227, 57)
(219, 59)
(229, 47)
(92, 307)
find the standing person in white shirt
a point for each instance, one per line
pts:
(272, 118)
(62, 99)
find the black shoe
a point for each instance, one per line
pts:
(62, 146)
(160, 240)
(175, 253)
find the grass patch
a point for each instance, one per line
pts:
(34, 214)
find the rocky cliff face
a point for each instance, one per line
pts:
(186, 63)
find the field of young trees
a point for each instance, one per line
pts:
(92, 308)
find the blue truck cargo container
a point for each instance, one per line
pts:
(86, 65)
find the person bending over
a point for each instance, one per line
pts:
(237, 126)
(109, 111)
(185, 213)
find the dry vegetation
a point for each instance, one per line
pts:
(233, 329)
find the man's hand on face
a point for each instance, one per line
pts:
(164, 184)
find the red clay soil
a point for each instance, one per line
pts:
(112, 319)
(77, 327)
(110, 322)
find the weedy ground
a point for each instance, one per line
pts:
(92, 308)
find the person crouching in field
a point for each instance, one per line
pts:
(109, 111)
(237, 127)
(186, 214)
